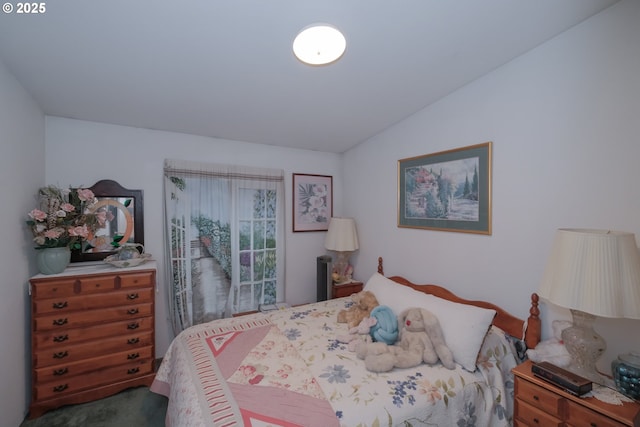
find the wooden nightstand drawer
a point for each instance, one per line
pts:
(539, 397)
(532, 416)
(578, 416)
(339, 291)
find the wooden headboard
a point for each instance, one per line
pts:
(512, 325)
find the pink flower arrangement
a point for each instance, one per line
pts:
(65, 217)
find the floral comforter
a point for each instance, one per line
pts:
(286, 368)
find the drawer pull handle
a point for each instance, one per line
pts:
(132, 311)
(59, 372)
(60, 322)
(133, 296)
(537, 421)
(592, 424)
(133, 341)
(60, 388)
(60, 354)
(133, 371)
(135, 325)
(61, 338)
(535, 397)
(59, 305)
(133, 356)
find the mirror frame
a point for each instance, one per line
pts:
(109, 189)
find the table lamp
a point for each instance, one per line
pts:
(592, 273)
(342, 238)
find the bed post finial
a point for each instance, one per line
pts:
(380, 269)
(534, 326)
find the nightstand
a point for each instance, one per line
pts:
(540, 403)
(345, 289)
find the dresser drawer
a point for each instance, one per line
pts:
(136, 280)
(63, 371)
(72, 286)
(579, 416)
(531, 416)
(87, 350)
(112, 299)
(539, 397)
(75, 384)
(61, 321)
(59, 338)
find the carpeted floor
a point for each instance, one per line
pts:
(137, 407)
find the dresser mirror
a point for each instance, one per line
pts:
(125, 221)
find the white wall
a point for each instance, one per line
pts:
(565, 123)
(21, 171)
(81, 153)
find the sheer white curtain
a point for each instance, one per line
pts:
(225, 239)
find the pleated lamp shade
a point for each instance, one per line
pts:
(594, 271)
(342, 235)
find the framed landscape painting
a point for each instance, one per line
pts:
(448, 191)
(312, 202)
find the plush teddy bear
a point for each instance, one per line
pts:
(420, 340)
(360, 333)
(553, 349)
(363, 303)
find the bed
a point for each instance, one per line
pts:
(287, 368)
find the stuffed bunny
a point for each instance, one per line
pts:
(553, 349)
(420, 340)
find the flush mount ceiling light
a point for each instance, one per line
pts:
(319, 44)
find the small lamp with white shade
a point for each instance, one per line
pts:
(592, 273)
(342, 238)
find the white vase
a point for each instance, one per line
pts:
(53, 260)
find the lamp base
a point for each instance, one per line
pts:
(585, 346)
(342, 271)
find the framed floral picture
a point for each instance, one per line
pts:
(449, 190)
(312, 202)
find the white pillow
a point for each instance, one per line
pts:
(463, 326)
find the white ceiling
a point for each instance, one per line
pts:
(225, 68)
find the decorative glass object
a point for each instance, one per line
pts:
(626, 374)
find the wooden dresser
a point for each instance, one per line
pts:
(540, 403)
(92, 333)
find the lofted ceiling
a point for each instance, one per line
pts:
(225, 68)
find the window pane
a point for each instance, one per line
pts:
(245, 235)
(258, 235)
(257, 293)
(258, 204)
(245, 266)
(270, 234)
(258, 265)
(270, 292)
(270, 264)
(271, 203)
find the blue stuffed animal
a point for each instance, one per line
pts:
(386, 328)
